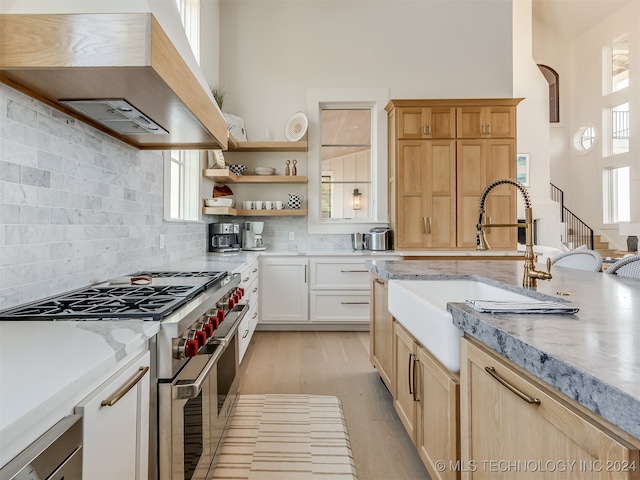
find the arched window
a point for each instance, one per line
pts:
(554, 89)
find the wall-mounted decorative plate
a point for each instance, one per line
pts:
(296, 127)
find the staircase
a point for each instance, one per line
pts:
(576, 232)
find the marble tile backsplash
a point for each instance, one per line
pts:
(77, 206)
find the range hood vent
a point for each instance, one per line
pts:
(120, 73)
(118, 115)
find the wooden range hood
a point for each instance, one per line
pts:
(57, 57)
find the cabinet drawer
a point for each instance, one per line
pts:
(248, 275)
(244, 336)
(337, 273)
(340, 307)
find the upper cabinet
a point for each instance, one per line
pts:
(496, 121)
(426, 122)
(105, 57)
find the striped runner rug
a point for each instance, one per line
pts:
(286, 437)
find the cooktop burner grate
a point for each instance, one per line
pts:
(104, 302)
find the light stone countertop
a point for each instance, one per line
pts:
(48, 367)
(592, 356)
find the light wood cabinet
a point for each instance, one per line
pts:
(381, 332)
(481, 162)
(427, 401)
(435, 179)
(510, 420)
(116, 435)
(426, 122)
(497, 121)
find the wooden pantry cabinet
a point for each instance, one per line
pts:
(513, 427)
(442, 154)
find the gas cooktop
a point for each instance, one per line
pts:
(112, 300)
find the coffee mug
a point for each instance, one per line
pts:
(268, 205)
(247, 204)
(278, 204)
(258, 204)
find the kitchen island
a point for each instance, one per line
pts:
(592, 356)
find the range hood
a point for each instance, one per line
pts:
(119, 73)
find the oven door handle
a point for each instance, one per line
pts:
(185, 391)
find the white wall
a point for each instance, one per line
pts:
(273, 51)
(579, 63)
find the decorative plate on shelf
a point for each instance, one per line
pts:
(216, 159)
(264, 170)
(296, 127)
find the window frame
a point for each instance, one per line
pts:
(610, 184)
(189, 184)
(376, 99)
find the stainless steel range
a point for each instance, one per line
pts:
(194, 356)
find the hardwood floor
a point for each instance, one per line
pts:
(337, 363)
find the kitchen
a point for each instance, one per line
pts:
(65, 227)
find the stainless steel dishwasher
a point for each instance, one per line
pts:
(55, 455)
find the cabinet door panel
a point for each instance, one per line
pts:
(498, 425)
(337, 274)
(471, 180)
(441, 193)
(283, 290)
(470, 121)
(438, 417)
(381, 332)
(403, 399)
(116, 438)
(502, 122)
(412, 167)
(442, 121)
(502, 202)
(410, 122)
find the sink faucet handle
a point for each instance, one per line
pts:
(549, 265)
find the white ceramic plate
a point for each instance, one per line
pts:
(296, 127)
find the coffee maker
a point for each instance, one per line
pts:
(224, 237)
(252, 236)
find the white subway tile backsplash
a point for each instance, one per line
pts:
(21, 113)
(77, 206)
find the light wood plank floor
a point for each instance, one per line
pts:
(337, 363)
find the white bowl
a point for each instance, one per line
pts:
(219, 202)
(264, 170)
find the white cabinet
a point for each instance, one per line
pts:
(339, 291)
(116, 424)
(316, 293)
(248, 281)
(284, 297)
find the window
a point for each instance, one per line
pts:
(617, 203)
(617, 121)
(617, 65)
(553, 80)
(347, 165)
(584, 140)
(182, 185)
(190, 15)
(346, 162)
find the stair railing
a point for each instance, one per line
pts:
(580, 232)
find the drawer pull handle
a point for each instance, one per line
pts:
(254, 270)
(377, 280)
(246, 332)
(142, 371)
(354, 303)
(255, 290)
(255, 314)
(531, 400)
(354, 271)
(246, 279)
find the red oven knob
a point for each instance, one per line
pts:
(209, 328)
(231, 302)
(191, 348)
(201, 337)
(241, 290)
(220, 317)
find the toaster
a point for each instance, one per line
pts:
(380, 238)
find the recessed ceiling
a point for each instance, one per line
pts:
(572, 18)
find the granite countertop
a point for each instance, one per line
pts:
(48, 367)
(592, 356)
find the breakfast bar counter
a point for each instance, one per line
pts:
(592, 356)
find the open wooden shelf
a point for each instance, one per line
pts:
(236, 146)
(223, 175)
(253, 213)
